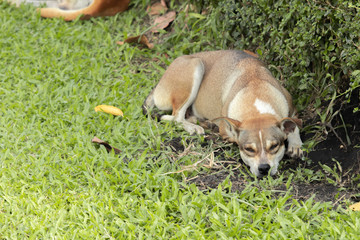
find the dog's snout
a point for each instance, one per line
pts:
(264, 169)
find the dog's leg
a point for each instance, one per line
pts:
(177, 90)
(294, 144)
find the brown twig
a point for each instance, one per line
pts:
(328, 124)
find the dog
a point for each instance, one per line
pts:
(70, 10)
(238, 93)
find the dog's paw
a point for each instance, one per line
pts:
(167, 118)
(295, 152)
(192, 128)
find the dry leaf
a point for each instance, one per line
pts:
(109, 109)
(156, 9)
(251, 53)
(142, 39)
(355, 206)
(163, 21)
(106, 145)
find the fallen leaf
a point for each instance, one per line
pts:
(156, 9)
(142, 39)
(355, 206)
(251, 53)
(109, 109)
(106, 145)
(163, 21)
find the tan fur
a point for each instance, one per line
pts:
(248, 104)
(98, 8)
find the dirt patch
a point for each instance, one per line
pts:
(343, 139)
(335, 152)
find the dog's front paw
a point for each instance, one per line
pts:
(295, 151)
(167, 118)
(193, 128)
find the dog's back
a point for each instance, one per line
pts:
(227, 72)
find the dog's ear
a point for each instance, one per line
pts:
(230, 133)
(288, 124)
(231, 122)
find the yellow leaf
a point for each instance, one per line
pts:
(355, 207)
(109, 109)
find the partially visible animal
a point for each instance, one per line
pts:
(85, 9)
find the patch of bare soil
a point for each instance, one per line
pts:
(334, 147)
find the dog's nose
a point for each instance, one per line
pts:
(264, 169)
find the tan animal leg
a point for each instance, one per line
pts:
(177, 90)
(98, 8)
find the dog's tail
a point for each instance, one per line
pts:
(149, 103)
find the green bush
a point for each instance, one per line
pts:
(314, 45)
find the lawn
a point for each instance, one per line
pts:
(56, 183)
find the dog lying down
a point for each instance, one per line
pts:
(237, 92)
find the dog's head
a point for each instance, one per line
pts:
(261, 141)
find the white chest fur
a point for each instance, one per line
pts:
(264, 107)
(247, 102)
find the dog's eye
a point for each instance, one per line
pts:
(249, 149)
(274, 146)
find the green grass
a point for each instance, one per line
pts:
(54, 183)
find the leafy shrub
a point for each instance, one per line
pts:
(314, 45)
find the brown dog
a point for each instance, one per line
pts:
(239, 93)
(97, 8)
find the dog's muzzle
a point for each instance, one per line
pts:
(264, 169)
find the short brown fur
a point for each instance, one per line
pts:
(98, 8)
(236, 89)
